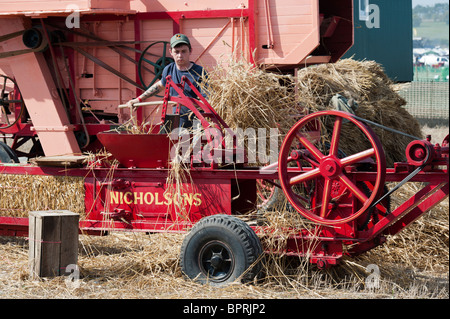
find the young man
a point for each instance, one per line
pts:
(180, 49)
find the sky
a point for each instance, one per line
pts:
(427, 2)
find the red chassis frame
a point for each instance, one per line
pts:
(134, 199)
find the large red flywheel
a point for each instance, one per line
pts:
(321, 181)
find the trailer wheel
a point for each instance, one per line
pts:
(219, 250)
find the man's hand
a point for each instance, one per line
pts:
(131, 103)
(155, 89)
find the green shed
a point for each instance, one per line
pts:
(383, 33)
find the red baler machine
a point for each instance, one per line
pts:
(341, 197)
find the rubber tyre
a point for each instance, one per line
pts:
(7, 155)
(227, 236)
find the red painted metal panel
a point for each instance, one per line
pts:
(12, 226)
(138, 150)
(152, 200)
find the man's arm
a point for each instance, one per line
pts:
(154, 89)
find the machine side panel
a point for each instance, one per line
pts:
(40, 94)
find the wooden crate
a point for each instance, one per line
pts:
(53, 242)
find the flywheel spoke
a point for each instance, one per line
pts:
(334, 147)
(310, 146)
(304, 177)
(358, 157)
(326, 198)
(354, 188)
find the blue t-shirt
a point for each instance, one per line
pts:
(194, 74)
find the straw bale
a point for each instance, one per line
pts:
(20, 194)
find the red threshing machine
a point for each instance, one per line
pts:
(342, 197)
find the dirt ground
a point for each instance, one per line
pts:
(142, 266)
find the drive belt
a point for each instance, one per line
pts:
(386, 128)
(406, 179)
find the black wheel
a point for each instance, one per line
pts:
(219, 250)
(152, 62)
(7, 155)
(267, 194)
(10, 114)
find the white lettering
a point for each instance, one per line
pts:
(73, 19)
(373, 20)
(200, 309)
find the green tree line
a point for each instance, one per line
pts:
(436, 13)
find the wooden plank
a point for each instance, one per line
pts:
(37, 7)
(63, 160)
(32, 247)
(69, 241)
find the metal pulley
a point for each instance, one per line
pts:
(158, 50)
(34, 39)
(420, 152)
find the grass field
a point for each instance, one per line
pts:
(435, 31)
(427, 73)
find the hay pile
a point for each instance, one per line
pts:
(418, 256)
(20, 194)
(137, 265)
(246, 97)
(366, 83)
